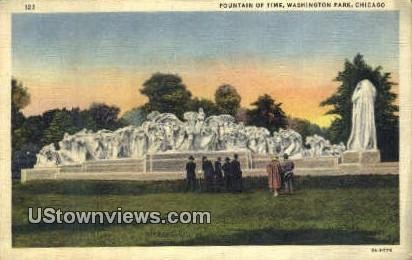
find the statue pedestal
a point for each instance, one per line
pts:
(362, 157)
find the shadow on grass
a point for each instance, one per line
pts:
(271, 236)
(266, 236)
(89, 187)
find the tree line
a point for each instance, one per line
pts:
(168, 93)
(30, 134)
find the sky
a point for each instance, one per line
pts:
(71, 60)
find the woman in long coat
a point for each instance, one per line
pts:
(274, 171)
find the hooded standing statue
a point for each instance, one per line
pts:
(363, 134)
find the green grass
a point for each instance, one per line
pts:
(324, 210)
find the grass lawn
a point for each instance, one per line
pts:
(324, 210)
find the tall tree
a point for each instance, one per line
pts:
(386, 118)
(104, 116)
(61, 123)
(166, 93)
(228, 99)
(267, 113)
(20, 98)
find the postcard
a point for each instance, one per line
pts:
(205, 129)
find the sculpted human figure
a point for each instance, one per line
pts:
(251, 132)
(230, 140)
(123, 141)
(70, 150)
(279, 149)
(320, 143)
(157, 139)
(291, 142)
(311, 141)
(261, 144)
(363, 132)
(288, 141)
(171, 126)
(241, 136)
(108, 144)
(319, 146)
(327, 148)
(205, 139)
(180, 139)
(139, 147)
(47, 157)
(200, 120)
(103, 144)
(338, 149)
(190, 127)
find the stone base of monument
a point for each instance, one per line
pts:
(330, 162)
(57, 173)
(176, 161)
(362, 157)
(170, 166)
(119, 165)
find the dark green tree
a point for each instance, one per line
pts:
(386, 111)
(228, 99)
(61, 123)
(31, 131)
(104, 116)
(267, 113)
(166, 93)
(20, 98)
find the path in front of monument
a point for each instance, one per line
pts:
(325, 210)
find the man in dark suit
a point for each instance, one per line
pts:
(227, 174)
(191, 174)
(218, 175)
(287, 173)
(236, 173)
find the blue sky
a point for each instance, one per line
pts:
(127, 39)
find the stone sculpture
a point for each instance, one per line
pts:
(164, 132)
(363, 133)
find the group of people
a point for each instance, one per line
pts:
(229, 174)
(217, 175)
